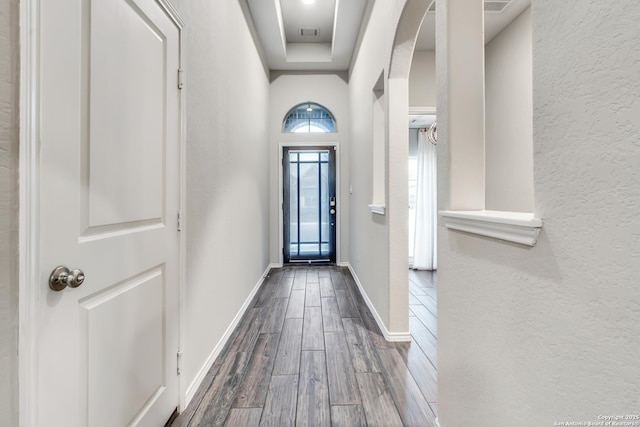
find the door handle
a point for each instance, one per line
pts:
(61, 277)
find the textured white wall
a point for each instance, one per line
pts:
(369, 233)
(422, 80)
(379, 255)
(331, 91)
(509, 110)
(227, 172)
(9, 92)
(530, 336)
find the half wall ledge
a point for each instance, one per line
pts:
(518, 227)
(377, 209)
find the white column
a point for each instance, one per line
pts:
(397, 204)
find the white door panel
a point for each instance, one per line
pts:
(126, 162)
(131, 337)
(109, 167)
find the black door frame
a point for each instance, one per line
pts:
(332, 195)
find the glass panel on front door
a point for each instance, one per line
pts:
(309, 205)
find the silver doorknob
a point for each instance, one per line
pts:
(61, 277)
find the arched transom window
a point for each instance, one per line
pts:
(309, 117)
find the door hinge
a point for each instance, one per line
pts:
(180, 78)
(179, 220)
(179, 362)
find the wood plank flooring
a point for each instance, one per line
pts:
(309, 353)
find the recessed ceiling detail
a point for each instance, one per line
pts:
(300, 35)
(317, 16)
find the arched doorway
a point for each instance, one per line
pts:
(419, 290)
(402, 51)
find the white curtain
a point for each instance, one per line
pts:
(425, 256)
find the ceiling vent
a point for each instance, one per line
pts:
(309, 32)
(489, 6)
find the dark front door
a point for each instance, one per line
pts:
(310, 204)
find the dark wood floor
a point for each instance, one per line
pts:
(309, 353)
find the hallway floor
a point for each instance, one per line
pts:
(309, 353)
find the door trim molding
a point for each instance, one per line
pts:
(29, 207)
(281, 147)
(29, 211)
(173, 14)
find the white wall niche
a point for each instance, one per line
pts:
(378, 141)
(509, 118)
(488, 130)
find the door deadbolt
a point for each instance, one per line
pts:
(61, 277)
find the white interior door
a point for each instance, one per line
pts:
(109, 168)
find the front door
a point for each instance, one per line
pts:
(109, 196)
(310, 205)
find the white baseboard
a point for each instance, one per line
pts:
(389, 336)
(193, 387)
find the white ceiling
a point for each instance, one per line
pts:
(338, 23)
(317, 15)
(494, 23)
(278, 23)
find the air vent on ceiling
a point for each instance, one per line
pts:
(489, 6)
(309, 32)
